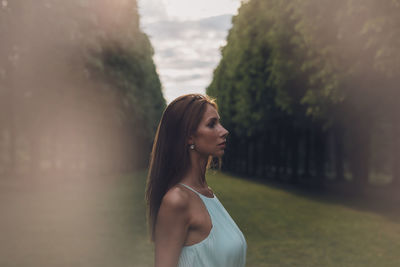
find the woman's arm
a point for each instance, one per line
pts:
(171, 228)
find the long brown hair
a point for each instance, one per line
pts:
(169, 159)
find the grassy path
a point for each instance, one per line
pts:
(286, 229)
(100, 222)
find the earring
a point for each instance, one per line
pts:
(191, 146)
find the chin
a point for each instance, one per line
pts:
(219, 153)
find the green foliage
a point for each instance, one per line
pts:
(131, 72)
(82, 65)
(310, 64)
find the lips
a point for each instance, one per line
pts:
(223, 143)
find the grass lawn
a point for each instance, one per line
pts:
(101, 222)
(295, 229)
(292, 228)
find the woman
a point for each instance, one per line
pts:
(188, 224)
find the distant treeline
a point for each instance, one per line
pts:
(309, 90)
(78, 87)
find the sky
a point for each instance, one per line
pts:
(187, 36)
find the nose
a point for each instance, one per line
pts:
(225, 133)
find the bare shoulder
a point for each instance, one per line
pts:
(173, 222)
(176, 199)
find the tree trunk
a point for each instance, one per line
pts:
(249, 158)
(338, 139)
(234, 154)
(307, 153)
(294, 155)
(238, 152)
(319, 158)
(285, 150)
(245, 149)
(360, 153)
(269, 154)
(278, 154)
(256, 155)
(262, 159)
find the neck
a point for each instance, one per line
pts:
(196, 175)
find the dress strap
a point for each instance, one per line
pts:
(189, 188)
(196, 191)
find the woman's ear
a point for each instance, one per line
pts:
(190, 140)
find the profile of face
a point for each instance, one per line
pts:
(210, 134)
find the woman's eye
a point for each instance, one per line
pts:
(211, 125)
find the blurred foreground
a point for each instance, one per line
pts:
(78, 88)
(100, 221)
(72, 221)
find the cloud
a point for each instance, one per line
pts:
(187, 51)
(168, 29)
(195, 10)
(152, 11)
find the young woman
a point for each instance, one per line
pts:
(188, 224)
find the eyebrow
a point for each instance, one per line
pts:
(213, 118)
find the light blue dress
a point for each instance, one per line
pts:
(225, 246)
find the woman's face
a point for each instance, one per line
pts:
(210, 134)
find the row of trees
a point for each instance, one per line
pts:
(309, 90)
(78, 86)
